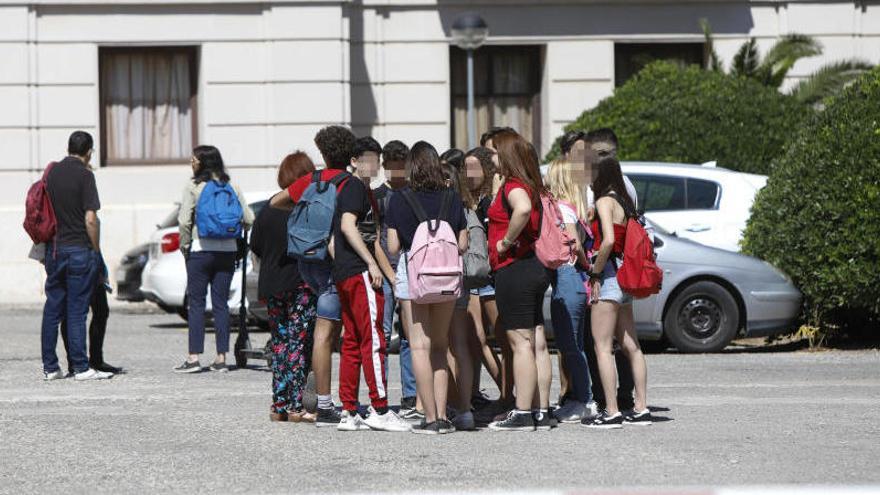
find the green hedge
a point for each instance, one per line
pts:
(818, 218)
(690, 115)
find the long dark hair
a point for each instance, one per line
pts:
(423, 167)
(610, 180)
(210, 164)
(517, 158)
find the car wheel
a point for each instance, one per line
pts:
(702, 318)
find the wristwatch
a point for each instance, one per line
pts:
(505, 242)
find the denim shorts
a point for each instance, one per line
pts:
(487, 291)
(401, 287)
(609, 289)
(318, 277)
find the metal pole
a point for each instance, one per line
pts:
(471, 118)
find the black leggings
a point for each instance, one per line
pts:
(97, 328)
(519, 293)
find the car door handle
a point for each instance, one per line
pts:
(698, 227)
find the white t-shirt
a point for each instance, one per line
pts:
(630, 189)
(568, 214)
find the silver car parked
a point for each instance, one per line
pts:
(711, 296)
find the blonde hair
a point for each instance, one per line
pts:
(562, 187)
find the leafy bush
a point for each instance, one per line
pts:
(818, 218)
(690, 115)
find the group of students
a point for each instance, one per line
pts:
(416, 246)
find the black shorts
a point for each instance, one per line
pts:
(519, 293)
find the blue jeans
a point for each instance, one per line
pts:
(568, 311)
(71, 274)
(318, 277)
(407, 379)
(204, 268)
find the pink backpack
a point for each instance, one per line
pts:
(554, 246)
(39, 216)
(433, 263)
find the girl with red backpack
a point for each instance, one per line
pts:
(612, 314)
(426, 220)
(520, 279)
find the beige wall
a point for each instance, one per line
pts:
(273, 72)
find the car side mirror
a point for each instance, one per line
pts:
(658, 242)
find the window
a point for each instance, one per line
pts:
(507, 90)
(148, 105)
(665, 193)
(701, 194)
(630, 58)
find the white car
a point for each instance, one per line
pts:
(164, 276)
(704, 203)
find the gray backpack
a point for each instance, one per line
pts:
(476, 258)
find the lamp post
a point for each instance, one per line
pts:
(469, 32)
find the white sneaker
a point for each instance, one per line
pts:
(352, 422)
(92, 374)
(571, 412)
(55, 375)
(592, 409)
(464, 422)
(386, 422)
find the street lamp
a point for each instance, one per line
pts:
(469, 31)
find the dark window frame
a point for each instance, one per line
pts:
(647, 177)
(192, 52)
(622, 74)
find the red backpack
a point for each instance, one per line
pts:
(639, 275)
(39, 216)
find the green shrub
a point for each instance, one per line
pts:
(690, 115)
(818, 218)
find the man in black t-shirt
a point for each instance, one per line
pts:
(72, 259)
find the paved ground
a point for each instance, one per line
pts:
(742, 418)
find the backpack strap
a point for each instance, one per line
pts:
(443, 212)
(337, 180)
(47, 169)
(416, 206)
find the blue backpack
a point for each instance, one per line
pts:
(218, 212)
(310, 224)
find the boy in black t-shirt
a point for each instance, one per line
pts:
(358, 279)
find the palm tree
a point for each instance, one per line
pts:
(772, 68)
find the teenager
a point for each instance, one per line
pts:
(614, 207)
(479, 170)
(520, 279)
(357, 258)
(291, 304)
(430, 322)
(335, 143)
(73, 194)
(210, 259)
(568, 304)
(462, 366)
(394, 164)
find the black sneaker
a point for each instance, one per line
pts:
(640, 419)
(407, 403)
(542, 421)
(605, 422)
(219, 367)
(327, 417)
(480, 400)
(432, 428)
(446, 426)
(413, 415)
(515, 421)
(188, 367)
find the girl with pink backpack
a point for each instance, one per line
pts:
(426, 220)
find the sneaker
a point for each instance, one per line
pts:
(327, 417)
(352, 421)
(515, 421)
(445, 426)
(480, 400)
(54, 375)
(219, 367)
(592, 409)
(542, 420)
(605, 422)
(188, 367)
(413, 415)
(386, 422)
(92, 374)
(640, 419)
(464, 422)
(407, 403)
(571, 412)
(423, 428)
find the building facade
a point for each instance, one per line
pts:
(150, 79)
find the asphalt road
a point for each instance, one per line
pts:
(747, 417)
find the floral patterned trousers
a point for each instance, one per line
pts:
(292, 323)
